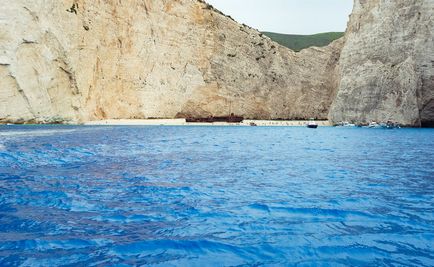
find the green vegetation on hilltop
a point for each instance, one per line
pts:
(299, 42)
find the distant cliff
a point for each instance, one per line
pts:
(81, 60)
(387, 64)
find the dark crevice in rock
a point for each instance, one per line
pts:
(73, 9)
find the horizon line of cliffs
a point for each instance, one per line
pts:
(73, 61)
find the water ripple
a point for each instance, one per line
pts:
(198, 196)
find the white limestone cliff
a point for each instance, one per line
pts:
(387, 64)
(87, 60)
(81, 60)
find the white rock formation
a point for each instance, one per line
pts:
(80, 60)
(387, 64)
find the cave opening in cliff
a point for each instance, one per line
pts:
(427, 124)
(292, 23)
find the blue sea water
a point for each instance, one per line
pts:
(216, 196)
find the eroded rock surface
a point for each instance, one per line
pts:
(387, 64)
(88, 60)
(81, 60)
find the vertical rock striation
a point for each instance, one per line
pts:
(387, 64)
(80, 60)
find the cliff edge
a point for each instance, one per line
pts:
(387, 64)
(89, 60)
(83, 60)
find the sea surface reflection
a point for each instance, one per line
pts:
(216, 196)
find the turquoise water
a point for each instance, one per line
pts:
(223, 196)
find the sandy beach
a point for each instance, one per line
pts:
(182, 122)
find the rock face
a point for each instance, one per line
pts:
(80, 60)
(387, 64)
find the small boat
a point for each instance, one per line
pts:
(253, 124)
(374, 125)
(312, 124)
(388, 125)
(346, 124)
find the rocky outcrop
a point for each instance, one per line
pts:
(81, 60)
(387, 64)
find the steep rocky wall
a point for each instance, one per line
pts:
(80, 60)
(387, 63)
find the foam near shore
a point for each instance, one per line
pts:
(182, 122)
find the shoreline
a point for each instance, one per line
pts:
(182, 122)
